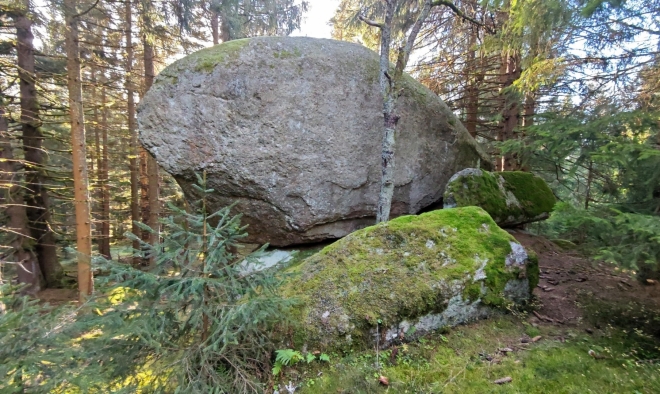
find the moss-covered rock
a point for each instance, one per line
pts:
(511, 198)
(407, 277)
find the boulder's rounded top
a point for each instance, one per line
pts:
(280, 48)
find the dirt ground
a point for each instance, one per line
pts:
(567, 279)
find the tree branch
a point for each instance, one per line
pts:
(460, 14)
(370, 22)
(88, 10)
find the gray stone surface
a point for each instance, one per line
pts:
(290, 129)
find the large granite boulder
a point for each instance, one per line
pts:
(511, 198)
(407, 277)
(290, 129)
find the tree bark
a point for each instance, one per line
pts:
(152, 211)
(509, 73)
(214, 27)
(95, 158)
(390, 119)
(135, 155)
(21, 244)
(225, 28)
(104, 236)
(472, 79)
(389, 89)
(36, 196)
(80, 179)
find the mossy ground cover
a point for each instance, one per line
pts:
(467, 360)
(600, 308)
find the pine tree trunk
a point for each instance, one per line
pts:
(134, 161)
(36, 196)
(80, 179)
(22, 253)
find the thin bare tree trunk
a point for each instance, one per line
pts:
(134, 161)
(389, 89)
(80, 180)
(36, 196)
(21, 244)
(387, 86)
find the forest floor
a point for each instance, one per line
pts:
(592, 329)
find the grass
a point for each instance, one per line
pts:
(467, 360)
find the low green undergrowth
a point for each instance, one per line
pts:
(468, 360)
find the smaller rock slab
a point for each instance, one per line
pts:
(511, 198)
(398, 280)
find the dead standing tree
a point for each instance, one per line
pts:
(390, 90)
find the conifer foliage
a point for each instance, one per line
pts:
(198, 321)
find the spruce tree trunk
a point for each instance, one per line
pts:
(21, 244)
(104, 241)
(80, 177)
(473, 78)
(225, 29)
(36, 196)
(134, 161)
(151, 204)
(529, 110)
(214, 27)
(95, 158)
(509, 73)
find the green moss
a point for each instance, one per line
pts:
(564, 244)
(531, 191)
(287, 54)
(533, 195)
(481, 191)
(532, 270)
(399, 269)
(208, 58)
(458, 362)
(472, 292)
